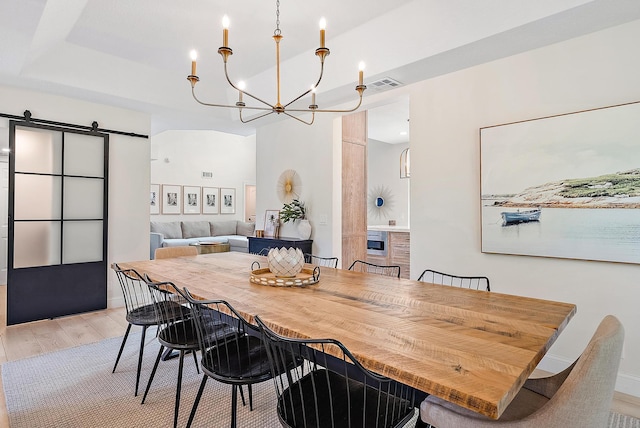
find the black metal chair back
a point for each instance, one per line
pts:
(332, 389)
(235, 356)
(176, 331)
(390, 270)
(331, 262)
(140, 311)
(472, 282)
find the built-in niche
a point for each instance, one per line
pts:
(388, 137)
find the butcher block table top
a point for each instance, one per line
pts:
(472, 348)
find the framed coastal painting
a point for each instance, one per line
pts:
(154, 200)
(564, 186)
(210, 200)
(191, 200)
(271, 223)
(227, 201)
(171, 199)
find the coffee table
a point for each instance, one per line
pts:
(212, 247)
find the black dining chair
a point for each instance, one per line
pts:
(331, 262)
(177, 331)
(332, 389)
(235, 359)
(388, 270)
(140, 311)
(472, 282)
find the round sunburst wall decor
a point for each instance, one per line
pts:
(380, 202)
(289, 186)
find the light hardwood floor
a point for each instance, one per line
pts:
(39, 337)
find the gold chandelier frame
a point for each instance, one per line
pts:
(322, 52)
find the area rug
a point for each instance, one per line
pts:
(617, 420)
(75, 388)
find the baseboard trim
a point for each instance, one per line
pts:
(115, 302)
(625, 383)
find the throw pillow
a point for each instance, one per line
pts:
(221, 228)
(170, 230)
(195, 229)
(246, 229)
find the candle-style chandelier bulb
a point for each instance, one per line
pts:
(241, 85)
(193, 78)
(313, 105)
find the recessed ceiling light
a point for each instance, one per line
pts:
(403, 133)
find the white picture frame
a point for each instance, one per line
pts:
(227, 201)
(210, 200)
(563, 186)
(154, 199)
(191, 203)
(271, 223)
(171, 199)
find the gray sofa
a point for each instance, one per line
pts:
(178, 233)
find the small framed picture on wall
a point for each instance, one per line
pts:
(154, 202)
(210, 200)
(191, 200)
(227, 201)
(171, 199)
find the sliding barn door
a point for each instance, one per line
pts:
(57, 258)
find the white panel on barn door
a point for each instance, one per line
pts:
(4, 218)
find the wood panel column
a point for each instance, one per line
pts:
(354, 188)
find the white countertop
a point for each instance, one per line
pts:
(386, 228)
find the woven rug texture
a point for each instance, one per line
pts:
(75, 388)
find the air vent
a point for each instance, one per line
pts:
(206, 174)
(383, 84)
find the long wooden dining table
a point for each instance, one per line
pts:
(472, 348)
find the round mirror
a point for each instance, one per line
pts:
(379, 201)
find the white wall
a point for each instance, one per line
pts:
(128, 168)
(384, 172)
(182, 156)
(309, 150)
(597, 70)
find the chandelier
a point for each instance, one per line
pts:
(263, 106)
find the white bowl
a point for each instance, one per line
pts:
(285, 263)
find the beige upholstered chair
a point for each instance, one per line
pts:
(170, 252)
(579, 396)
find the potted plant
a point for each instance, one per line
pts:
(295, 211)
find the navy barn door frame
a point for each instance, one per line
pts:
(60, 289)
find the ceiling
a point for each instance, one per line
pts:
(135, 54)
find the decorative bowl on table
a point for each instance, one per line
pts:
(285, 262)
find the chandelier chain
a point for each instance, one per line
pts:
(277, 31)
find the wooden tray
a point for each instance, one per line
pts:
(265, 277)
